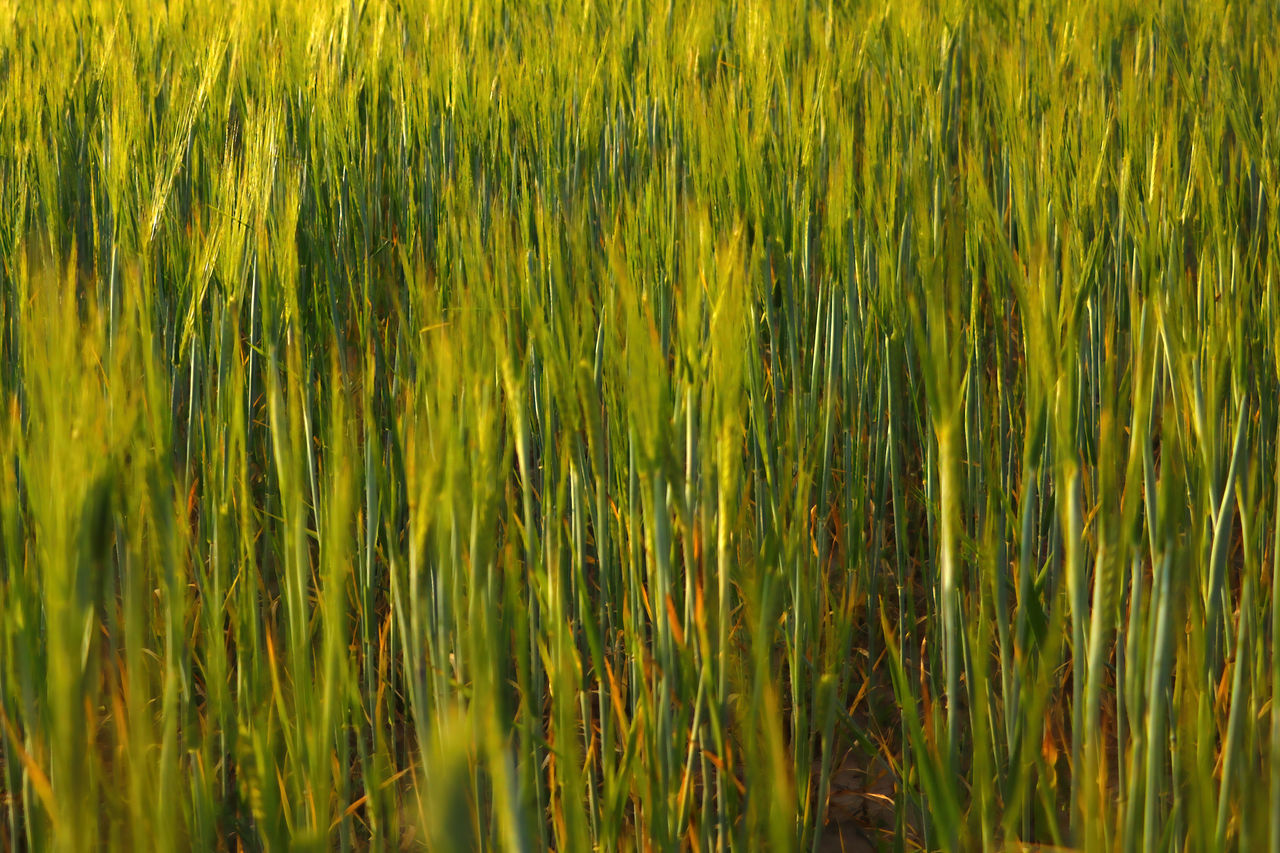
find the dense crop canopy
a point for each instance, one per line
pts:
(710, 424)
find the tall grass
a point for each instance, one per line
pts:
(604, 426)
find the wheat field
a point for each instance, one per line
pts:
(635, 425)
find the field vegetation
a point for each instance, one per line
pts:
(706, 424)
